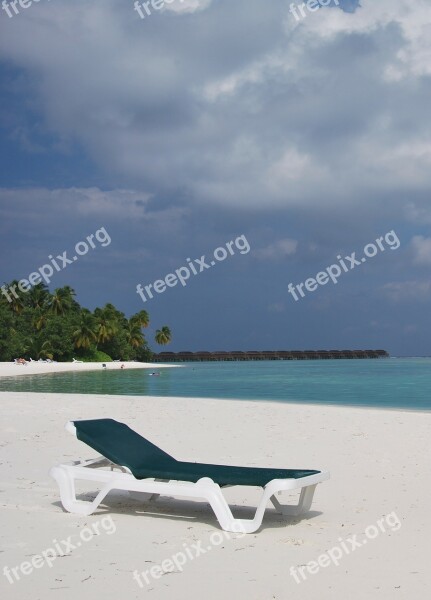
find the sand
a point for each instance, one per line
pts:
(8, 369)
(379, 462)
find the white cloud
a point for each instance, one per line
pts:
(407, 291)
(418, 213)
(186, 6)
(255, 73)
(277, 250)
(289, 176)
(412, 18)
(422, 250)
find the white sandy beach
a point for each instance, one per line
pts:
(9, 369)
(379, 463)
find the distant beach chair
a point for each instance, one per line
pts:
(137, 465)
(77, 361)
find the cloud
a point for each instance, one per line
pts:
(422, 250)
(186, 6)
(277, 250)
(277, 307)
(46, 218)
(412, 19)
(418, 213)
(111, 204)
(410, 329)
(407, 291)
(233, 104)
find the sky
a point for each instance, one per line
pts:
(217, 121)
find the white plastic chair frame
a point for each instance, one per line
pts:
(121, 478)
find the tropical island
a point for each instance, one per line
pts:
(41, 325)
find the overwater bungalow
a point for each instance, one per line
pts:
(240, 355)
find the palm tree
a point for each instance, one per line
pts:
(39, 296)
(71, 295)
(134, 335)
(86, 334)
(38, 299)
(111, 308)
(141, 318)
(163, 336)
(107, 326)
(16, 303)
(40, 349)
(39, 319)
(116, 315)
(62, 300)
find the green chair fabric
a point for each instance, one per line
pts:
(123, 446)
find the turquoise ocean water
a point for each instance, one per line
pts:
(391, 383)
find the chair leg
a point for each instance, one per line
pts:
(141, 496)
(227, 521)
(223, 512)
(66, 484)
(303, 506)
(145, 496)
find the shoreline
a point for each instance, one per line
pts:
(251, 402)
(9, 369)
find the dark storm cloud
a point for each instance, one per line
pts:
(183, 130)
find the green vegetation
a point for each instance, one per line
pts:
(163, 336)
(40, 324)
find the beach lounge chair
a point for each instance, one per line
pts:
(137, 465)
